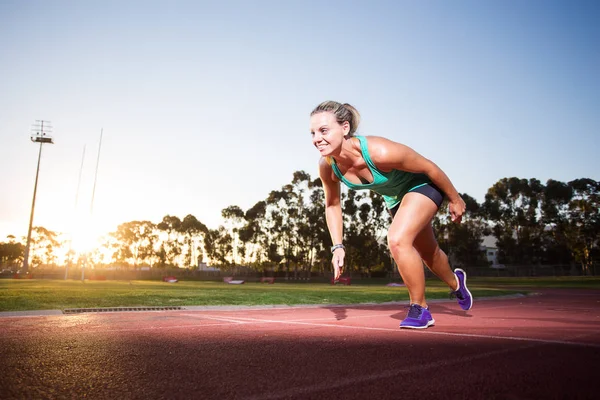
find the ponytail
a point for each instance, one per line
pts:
(342, 112)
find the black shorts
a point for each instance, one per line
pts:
(429, 190)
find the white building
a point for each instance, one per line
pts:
(491, 251)
(202, 266)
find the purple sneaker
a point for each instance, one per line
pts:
(462, 294)
(417, 318)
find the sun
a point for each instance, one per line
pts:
(85, 235)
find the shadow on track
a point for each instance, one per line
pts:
(341, 312)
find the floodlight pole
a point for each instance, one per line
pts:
(70, 252)
(87, 255)
(41, 138)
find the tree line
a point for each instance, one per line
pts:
(533, 224)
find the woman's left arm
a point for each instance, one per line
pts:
(388, 155)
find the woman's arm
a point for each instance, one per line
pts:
(388, 155)
(333, 214)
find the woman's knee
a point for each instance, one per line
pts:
(398, 242)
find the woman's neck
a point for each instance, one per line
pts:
(349, 154)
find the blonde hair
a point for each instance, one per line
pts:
(342, 112)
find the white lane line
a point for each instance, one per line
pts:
(426, 332)
(352, 381)
(517, 338)
(545, 307)
(503, 307)
(345, 318)
(150, 328)
(236, 319)
(226, 319)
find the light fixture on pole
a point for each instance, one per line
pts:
(39, 134)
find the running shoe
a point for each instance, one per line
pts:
(418, 318)
(462, 294)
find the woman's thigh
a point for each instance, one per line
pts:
(414, 214)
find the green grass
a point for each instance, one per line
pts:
(26, 294)
(565, 282)
(21, 295)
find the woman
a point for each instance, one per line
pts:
(413, 188)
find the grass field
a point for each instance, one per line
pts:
(21, 295)
(572, 282)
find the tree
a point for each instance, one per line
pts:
(555, 218)
(512, 205)
(170, 249)
(217, 243)
(281, 227)
(462, 242)
(583, 230)
(365, 232)
(254, 234)
(135, 241)
(302, 237)
(43, 244)
(234, 220)
(194, 232)
(11, 252)
(316, 228)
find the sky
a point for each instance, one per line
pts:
(205, 104)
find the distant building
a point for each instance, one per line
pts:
(202, 266)
(491, 251)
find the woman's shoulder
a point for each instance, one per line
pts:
(325, 162)
(384, 152)
(326, 170)
(378, 140)
(369, 140)
(378, 145)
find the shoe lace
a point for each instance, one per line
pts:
(457, 294)
(414, 311)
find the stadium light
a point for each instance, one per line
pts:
(40, 134)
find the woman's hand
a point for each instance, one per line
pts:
(338, 263)
(457, 208)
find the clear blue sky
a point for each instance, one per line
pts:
(205, 104)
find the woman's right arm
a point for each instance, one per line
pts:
(333, 214)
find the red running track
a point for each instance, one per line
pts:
(537, 347)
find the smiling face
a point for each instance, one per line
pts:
(327, 133)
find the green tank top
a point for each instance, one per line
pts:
(391, 185)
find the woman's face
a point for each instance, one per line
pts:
(327, 133)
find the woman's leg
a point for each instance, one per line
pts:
(414, 214)
(437, 261)
(434, 257)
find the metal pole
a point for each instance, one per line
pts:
(37, 173)
(87, 255)
(76, 203)
(41, 138)
(83, 267)
(96, 173)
